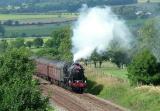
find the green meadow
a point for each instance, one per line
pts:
(111, 83)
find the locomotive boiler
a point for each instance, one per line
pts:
(64, 74)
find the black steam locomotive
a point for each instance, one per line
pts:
(68, 75)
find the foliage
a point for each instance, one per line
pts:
(49, 43)
(8, 22)
(120, 58)
(17, 43)
(2, 30)
(58, 35)
(18, 92)
(38, 42)
(59, 46)
(144, 69)
(3, 45)
(61, 39)
(95, 57)
(29, 44)
(65, 47)
(118, 53)
(48, 52)
(149, 38)
(147, 35)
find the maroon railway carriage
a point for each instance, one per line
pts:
(62, 73)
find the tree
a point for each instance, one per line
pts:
(65, 46)
(149, 38)
(3, 45)
(120, 58)
(144, 69)
(59, 34)
(16, 23)
(49, 52)
(118, 53)
(8, 22)
(49, 43)
(17, 43)
(2, 30)
(29, 44)
(38, 42)
(99, 57)
(18, 91)
(147, 35)
(94, 57)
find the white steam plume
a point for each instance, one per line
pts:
(95, 28)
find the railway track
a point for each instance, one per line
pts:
(71, 101)
(62, 99)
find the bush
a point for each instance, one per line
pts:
(38, 42)
(18, 91)
(48, 52)
(29, 44)
(144, 69)
(120, 58)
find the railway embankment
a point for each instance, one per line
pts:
(70, 101)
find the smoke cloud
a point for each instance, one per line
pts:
(94, 29)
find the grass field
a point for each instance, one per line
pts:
(56, 20)
(25, 39)
(31, 30)
(109, 69)
(142, 1)
(112, 84)
(35, 16)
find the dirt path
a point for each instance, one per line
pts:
(70, 101)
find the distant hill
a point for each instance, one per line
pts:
(114, 2)
(56, 5)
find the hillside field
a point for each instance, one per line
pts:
(143, 1)
(36, 24)
(32, 30)
(25, 39)
(35, 16)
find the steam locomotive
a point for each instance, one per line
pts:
(67, 75)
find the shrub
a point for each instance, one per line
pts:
(143, 69)
(18, 91)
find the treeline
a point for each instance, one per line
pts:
(20, 42)
(57, 47)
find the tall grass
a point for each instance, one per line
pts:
(116, 88)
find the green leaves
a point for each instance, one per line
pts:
(143, 69)
(18, 92)
(38, 42)
(3, 45)
(17, 43)
(148, 35)
(59, 46)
